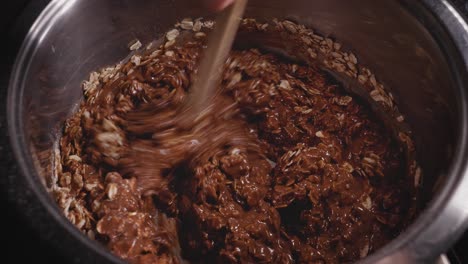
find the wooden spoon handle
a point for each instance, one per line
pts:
(218, 47)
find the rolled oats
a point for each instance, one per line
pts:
(172, 34)
(135, 45)
(308, 162)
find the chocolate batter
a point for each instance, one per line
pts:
(285, 167)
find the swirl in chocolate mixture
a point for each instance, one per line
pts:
(286, 167)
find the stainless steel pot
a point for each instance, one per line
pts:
(419, 49)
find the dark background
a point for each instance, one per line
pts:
(23, 244)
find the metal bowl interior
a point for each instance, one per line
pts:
(414, 49)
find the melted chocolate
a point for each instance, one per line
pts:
(284, 167)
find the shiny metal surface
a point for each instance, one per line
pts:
(419, 49)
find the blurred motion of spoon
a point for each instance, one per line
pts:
(207, 79)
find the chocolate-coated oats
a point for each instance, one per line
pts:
(303, 171)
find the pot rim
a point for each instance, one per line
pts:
(420, 242)
(445, 217)
(41, 25)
